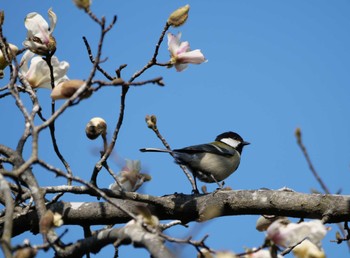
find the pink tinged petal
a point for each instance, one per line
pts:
(192, 57)
(53, 20)
(183, 47)
(37, 27)
(173, 44)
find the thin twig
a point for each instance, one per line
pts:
(125, 89)
(92, 60)
(52, 125)
(152, 124)
(316, 175)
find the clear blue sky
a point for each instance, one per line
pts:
(273, 66)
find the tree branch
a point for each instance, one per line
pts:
(335, 208)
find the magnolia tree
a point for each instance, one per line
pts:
(124, 216)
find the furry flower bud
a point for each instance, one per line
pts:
(82, 4)
(66, 89)
(11, 50)
(179, 17)
(96, 127)
(151, 121)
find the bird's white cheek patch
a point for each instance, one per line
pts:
(233, 143)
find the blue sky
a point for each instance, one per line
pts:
(272, 66)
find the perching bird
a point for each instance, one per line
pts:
(211, 162)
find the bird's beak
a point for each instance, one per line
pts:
(245, 143)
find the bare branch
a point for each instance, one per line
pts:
(202, 207)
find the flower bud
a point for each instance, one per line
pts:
(57, 220)
(265, 221)
(46, 222)
(51, 45)
(151, 121)
(11, 50)
(82, 4)
(179, 17)
(96, 127)
(298, 133)
(26, 252)
(66, 89)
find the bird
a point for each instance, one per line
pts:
(210, 162)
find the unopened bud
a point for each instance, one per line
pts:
(265, 221)
(46, 222)
(151, 121)
(27, 252)
(51, 46)
(57, 220)
(96, 127)
(118, 81)
(338, 237)
(179, 17)
(298, 133)
(82, 4)
(146, 215)
(66, 89)
(11, 52)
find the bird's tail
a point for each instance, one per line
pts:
(154, 150)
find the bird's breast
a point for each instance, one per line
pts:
(219, 166)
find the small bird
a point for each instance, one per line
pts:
(211, 162)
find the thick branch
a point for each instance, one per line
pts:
(331, 208)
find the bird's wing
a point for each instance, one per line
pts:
(208, 148)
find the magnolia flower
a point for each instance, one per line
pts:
(38, 73)
(181, 55)
(130, 178)
(39, 36)
(288, 235)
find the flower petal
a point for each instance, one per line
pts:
(37, 27)
(53, 20)
(192, 57)
(173, 43)
(25, 60)
(183, 48)
(180, 67)
(38, 74)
